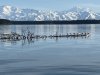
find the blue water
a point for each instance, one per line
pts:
(62, 56)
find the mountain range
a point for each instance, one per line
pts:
(75, 13)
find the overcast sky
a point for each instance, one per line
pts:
(53, 4)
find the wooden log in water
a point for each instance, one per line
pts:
(16, 36)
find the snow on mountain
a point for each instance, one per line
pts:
(7, 9)
(76, 13)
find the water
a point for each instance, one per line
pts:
(62, 56)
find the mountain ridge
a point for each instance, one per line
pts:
(75, 13)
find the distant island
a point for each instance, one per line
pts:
(5, 21)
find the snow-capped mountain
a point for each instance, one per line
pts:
(76, 13)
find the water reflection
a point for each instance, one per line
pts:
(51, 56)
(45, 30)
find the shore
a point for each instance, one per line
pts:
(4, 21)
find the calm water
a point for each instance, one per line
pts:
(62, 56)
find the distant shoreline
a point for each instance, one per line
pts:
(4, 21)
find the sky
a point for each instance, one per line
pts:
(53, 4)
